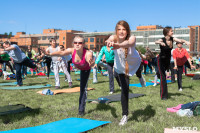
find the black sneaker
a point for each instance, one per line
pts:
(81, 113)
(164, 98)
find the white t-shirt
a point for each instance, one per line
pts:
(133, 59)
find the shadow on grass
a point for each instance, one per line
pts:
(144, 114)
(9, 118)
(103, 107)
(178, 94)
(67, 86)
(102, 81)
(190, 87)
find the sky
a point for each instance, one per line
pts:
(32, 16)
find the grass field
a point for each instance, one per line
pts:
(147, 114)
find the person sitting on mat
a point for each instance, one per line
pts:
(109, 55)
(166, 45)
(126, 61)
(83, 60)
(180, 56)
(19, 59)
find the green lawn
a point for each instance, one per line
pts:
(147, 114)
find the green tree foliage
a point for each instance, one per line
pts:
(141, 49)
(10, 35)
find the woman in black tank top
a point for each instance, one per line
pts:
(166, 45)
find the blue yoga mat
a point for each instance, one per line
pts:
(11, 83)
(59, 74)
(26, 87)
(70, 125)
(139, 85)
(168, 81)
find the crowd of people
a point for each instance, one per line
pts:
(119, 57)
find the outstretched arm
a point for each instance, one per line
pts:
(182, 41)
(60, 53)
(125, 44)
(160, 41)
(89, 58)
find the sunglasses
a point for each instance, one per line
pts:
(78, 42)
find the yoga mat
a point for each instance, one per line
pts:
(190, 75)
(158, 81)
(26, 87)
(12, 109)
(11, 83)
(59, 74)
(113, 98)
(71, 90)
(69, 125)
(139, 85)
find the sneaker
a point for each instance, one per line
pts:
(180, 89)
(120, 88)
(123, 120)
(95, 82)
(154, 84)
(111, 92)
(57, 87)
(66, 80)
(81, 113)
(70, 85)
(164, 98)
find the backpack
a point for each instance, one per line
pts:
(196, 110)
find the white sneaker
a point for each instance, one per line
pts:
(180, 89)
(123, 120)
(120, 88)
(154, 84)
(111, 92)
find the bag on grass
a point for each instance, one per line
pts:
(197, 110)
(47, 92)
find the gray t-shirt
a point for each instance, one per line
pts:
(17, 55)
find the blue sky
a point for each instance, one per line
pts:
(94, 15)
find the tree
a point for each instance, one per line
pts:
(10, 35)
(6, 33)
(141, 49)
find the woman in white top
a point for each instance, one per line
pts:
(126, 61)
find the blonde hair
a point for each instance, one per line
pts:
(127, 27)
(79, 36)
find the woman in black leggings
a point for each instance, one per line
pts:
(166, 45)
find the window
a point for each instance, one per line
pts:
(63, 38)
(91, 39)
(91, 46)
(86, 39)
(63, 43)
(97, 39)
(44, 38)
(101, 40)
